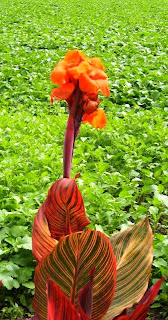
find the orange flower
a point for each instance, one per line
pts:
(77, 66)
(76, 70)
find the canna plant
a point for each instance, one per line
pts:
(80, 273)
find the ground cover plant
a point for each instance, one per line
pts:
(127, 163)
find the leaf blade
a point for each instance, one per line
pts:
(133, 251)
(69, 264)
(141, 310)
(64, 209)
(42, 243)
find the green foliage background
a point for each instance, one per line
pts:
(124, 167)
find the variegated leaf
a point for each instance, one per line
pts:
(42, 243)
(133, 252)
(64, 209)
(141, 310)
(69, 264)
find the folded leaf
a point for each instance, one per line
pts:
(69, 264)
(86, 298)
(64, 209)
(133, 252)
(142, 308)
(59, 307)
(42, 243)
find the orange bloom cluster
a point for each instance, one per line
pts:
(76, 70)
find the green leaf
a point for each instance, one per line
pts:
(25, 243)
(18, 231)
(29, 285)
(162, 198)
(155, 305)
(10, 283)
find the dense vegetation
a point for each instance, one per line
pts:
(124, 170)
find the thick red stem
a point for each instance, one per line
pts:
(70, 136)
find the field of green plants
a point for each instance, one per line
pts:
(124, 167)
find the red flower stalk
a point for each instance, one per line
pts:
(79, 78)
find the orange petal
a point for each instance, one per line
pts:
(62, 93)
(97, 119)
(81, 68)
(96, 62)
(75, 57)
(103, 85)
(88, 85)
(58, 74)
(83, 56)
(96, 74)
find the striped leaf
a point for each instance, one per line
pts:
(133, 252)
(42, 243)
(141, 310)
(64, 209)
(69, 264)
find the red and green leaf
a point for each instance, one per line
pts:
(142, 308)
(42, 243)
(64, 209)
(133, 252)
(69, 264)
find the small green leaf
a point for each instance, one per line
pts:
(10, 283)
(29, 285)
(162, 198)
(155, 305)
